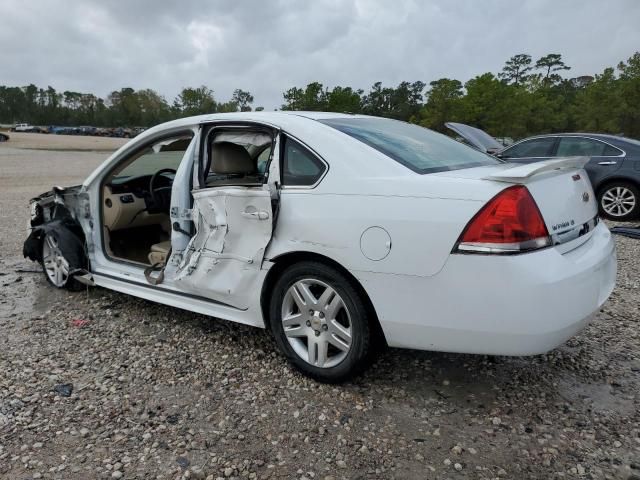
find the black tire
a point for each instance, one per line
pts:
(69, 283)
(359, 355)
(611, 187)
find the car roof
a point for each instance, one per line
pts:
(615, 140)
(274, 117)
(602, 136)
(280, 119)
(579, 134)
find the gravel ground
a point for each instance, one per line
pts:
(102, 385)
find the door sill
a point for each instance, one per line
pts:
(98, 277)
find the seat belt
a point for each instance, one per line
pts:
(156, 267)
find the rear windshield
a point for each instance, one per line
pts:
(417, 148)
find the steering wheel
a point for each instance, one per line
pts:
(160, 196)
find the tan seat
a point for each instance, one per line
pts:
(159, 252)
(232, 165)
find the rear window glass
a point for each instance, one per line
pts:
(417, 148)
(300, 166)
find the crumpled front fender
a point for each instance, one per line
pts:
(70, 244)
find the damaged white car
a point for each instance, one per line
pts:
(338, 233)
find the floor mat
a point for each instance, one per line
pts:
(135, 243)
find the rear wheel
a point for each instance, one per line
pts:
(56, 267)
(619, 201)
(320, 323)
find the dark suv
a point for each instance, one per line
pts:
(614, 168)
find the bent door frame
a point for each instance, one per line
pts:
(234, 225)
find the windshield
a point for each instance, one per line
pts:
(165, 154)
(415, 147)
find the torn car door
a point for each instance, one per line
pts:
(224, 258)
(181, 200)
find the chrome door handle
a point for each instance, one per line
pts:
(610, 162)
(259, 215)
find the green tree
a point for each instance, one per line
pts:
(598, 106)
(311, 98)
(153, 108)
(492, 105)
(550, 64)
(195, 101)
(345, 100)
(629, 93)
(443, 104)
(227, 107)
(407, 100)
(242, 99)
(124, 108)
(12, 105)
(378, 101)
(516, 68)
(402, 103)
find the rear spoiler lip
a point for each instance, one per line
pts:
(524, 173)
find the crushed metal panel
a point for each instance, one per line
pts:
(224, 257)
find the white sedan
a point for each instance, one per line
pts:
(339, 233)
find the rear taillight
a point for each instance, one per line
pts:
(510, 223)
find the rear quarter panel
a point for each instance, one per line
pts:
(422, 231)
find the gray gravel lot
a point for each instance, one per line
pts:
(157, 392)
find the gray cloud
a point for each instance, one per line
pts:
(268, 46)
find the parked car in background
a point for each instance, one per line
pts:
(59, 130)
(121, 133)
(135, 131)
(87, 130)
(338, 233)
(23, 127)
(614, 167)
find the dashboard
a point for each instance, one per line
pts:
(125, 200)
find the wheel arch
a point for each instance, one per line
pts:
(615, 179)
(632, 183)
(64, 226)
(283, 261)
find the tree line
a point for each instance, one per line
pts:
(524, 98)
(125, 107)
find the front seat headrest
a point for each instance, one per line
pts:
(230, 158)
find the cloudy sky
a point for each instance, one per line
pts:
(267, 46)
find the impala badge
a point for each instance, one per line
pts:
(585, 197)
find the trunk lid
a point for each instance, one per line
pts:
(560, 188)
(476, 137)
(567, 203)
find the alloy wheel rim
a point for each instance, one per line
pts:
(317, 323)
(618, 201)
(56, 266)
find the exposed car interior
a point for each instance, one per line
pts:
(236, 158)
(136, 197)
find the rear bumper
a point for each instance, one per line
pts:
(501, 305)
